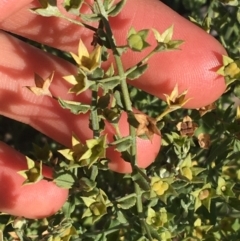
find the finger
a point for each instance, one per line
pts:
(37, 200)
(146, 150)
(193, 67)
(8, 8)
(17, 69)
(62, 34)
(44, 113)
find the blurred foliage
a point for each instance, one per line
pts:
(191, 192)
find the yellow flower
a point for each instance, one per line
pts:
(86, 154)
(176, 100)
(80, 83)
(34, 172)
(159, 186)
(87, 62)
(96, 150)
(74, 154)
(232, 70)
(187, 172)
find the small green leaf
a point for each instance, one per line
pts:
(109, 85)
(122, 144)
(64, 179)
(87, 213)
(118, 99)
(90, 17)
(160, 125)
(236, 145)
(121, 218)
(165, 37)
(108, 4)
(49, 9)
(136, 40)
(164, 40)
(127, 202)
(140, 178)
(73, 6)
(116, 9)
(98, 73)
(110, 71)
(187, 162)
(136, 73)
(74, 107)
(68, 208)
(88, 201)
(155, 233)
(174, 44)
(143, 33)
(86, 184)
(197, 170)
(94, 173)
(131, 31)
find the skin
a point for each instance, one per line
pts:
(193, 68)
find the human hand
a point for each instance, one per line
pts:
(193, 68)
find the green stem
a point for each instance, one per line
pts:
(167, 111)
(142, 62)
(116, 127)
(123, 83)
(122, 76)
(128, 106)
(144, 226)
(106, 80)
(121, 72)
(77, 22)
(94, 114)
(108, 231)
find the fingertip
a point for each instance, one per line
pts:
(33, 201)
(193, 67)
(146, 150)
(146, 153)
